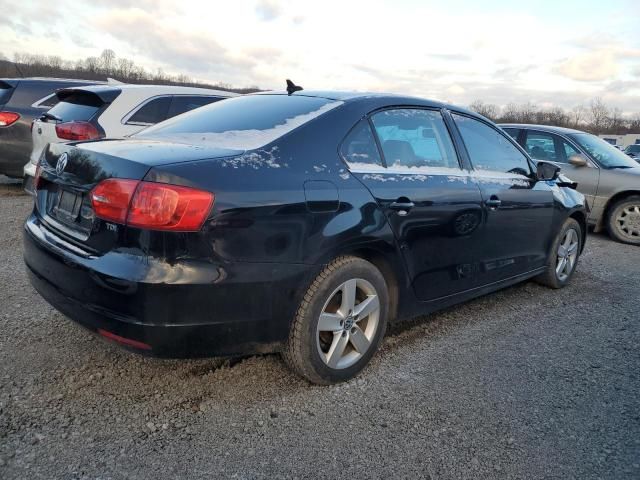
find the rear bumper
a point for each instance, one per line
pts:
(202, 310)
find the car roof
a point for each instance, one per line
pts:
(391, 98)
(544, 128)
(51, 79)
(158, 89)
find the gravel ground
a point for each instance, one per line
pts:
(525, 383)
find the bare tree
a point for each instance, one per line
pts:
(599, 114)
(486, 109)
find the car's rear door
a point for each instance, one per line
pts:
(550, 147)
(411, 167)
(518, 209)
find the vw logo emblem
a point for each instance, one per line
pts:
(62, 163)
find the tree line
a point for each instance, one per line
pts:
(595, 117)
(107, 65)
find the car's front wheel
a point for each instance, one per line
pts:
(564, 255)
(339, 323)
(624, 220)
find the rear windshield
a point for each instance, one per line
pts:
(246, 122)
(5, 92)
(77, 106)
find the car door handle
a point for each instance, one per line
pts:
(493, 202)
(402, 206)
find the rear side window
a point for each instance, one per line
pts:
(77, 106)
(513, 132)
(47, 102)
(152, 112)
(185, 103)
(5, 92)
(488, 149)
(246, 122)
(414, 138)
(359, 148)
(541, 146)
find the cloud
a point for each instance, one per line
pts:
(268, 10)
(197, 52)
(592, 66)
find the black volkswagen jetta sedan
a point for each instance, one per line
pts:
(298, 223)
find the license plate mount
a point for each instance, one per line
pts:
(68, 206)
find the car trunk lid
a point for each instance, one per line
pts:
(68, 173)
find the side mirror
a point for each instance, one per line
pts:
(547, 171)
(578, 161)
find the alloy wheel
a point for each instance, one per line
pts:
(567, 254)
(348, 323)
(628, 221)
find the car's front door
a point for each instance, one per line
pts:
(554, 148)
(411, 167)
(518, 209)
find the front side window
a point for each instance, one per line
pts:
(415, 139)
(488, 149)
(359, 148)
(152, 112)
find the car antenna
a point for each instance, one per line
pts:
(292, 87)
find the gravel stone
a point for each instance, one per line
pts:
(524, 383)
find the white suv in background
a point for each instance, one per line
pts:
(113, 111)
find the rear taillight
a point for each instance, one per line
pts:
(77, 131)
(153, 206)
(111, 198)
(37, 178)
(8, 118)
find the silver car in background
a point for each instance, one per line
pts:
(609, 179)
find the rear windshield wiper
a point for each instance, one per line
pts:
(50, 116)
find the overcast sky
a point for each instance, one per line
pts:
(551, 52)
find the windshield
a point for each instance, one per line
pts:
(604, 153)
(633, 149)
(247, 122)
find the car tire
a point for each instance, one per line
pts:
(623, 220)
(564, 255)
(340, 322)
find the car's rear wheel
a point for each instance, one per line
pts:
(564, 256)
(623, 221)
(340, 322)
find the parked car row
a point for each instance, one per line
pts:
(299, 222)
(22, 101)
(37, 111)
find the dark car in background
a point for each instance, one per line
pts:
(298, 223)
(608, 178)
(21, 101)
(633, 151)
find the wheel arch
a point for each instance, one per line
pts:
(389, 267)
(580, 217)
(613, 199)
